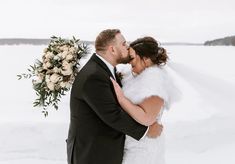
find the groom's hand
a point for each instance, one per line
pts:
(155, 130)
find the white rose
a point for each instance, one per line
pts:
(67, 71)
(61, 48)
(69, 57)
(44, 66)
(49, 72)
(56, 70)
(72, 50)
(68, 85)
(45, 59)
(56, 57)
(59, 55)
(45, 50)
(65, 48)
(62, 84)
(51, 86)
(55, 78)
(65, 63)
(47, 78)
(49, 55)
(64, 54)
(65, 84)
(48, 65)
(40, 78)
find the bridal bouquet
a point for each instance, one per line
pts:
(54, 74)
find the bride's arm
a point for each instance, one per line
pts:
(146, 112)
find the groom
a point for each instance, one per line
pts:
(97, 122)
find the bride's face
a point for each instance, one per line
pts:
(138, 64)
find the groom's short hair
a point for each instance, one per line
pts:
(105, 38)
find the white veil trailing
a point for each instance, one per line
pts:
(207, 94)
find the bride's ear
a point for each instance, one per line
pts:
(147, 61)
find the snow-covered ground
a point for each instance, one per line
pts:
(199, 129)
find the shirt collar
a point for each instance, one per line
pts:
(110, 66)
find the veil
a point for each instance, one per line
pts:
(203, 95)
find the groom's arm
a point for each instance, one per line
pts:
(99, 94)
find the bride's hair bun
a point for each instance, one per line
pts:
(149, 47)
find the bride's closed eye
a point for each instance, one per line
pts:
(131, 58)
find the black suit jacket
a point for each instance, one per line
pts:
(98, 124)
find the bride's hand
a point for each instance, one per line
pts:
(118, 91)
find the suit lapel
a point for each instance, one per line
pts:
(104, 66)
(101, 63)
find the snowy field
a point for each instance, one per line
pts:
(199, 129)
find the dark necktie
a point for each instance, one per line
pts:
(118, 80)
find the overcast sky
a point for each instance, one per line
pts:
(166, 20)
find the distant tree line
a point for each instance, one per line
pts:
(18, 41)
(227, 41)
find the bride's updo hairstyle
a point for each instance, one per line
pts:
(148, 47)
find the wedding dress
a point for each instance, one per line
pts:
(153, 81)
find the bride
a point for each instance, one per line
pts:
(147, 91)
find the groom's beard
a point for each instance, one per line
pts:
(124, 60)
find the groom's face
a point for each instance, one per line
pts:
(121, 48)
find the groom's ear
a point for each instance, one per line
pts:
(111, 49)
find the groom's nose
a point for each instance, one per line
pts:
(127, 46)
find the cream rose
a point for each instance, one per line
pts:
(72, 50)
(46, 65)
(64, 54)
(65, 84)
(47, 78)
(51, 86)
(56, 70)
(49, 55)
(55, 78)
(66, 48)
(69, 57)
(67, 71)
(62, 47)
(66, 68)
(65, 63)
(56, 57)
(59, 55)
(45, 50)
(40, 78)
